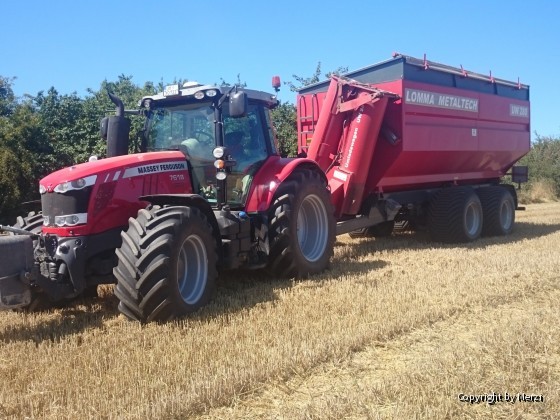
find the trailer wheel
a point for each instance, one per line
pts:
(381, 230)
(302, 226)
(166, 264)
(498, 208)
(455, 215)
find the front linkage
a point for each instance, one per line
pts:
(26, 267)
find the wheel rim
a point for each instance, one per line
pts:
(473, 219)
(192, 269)
(506, 214)
(312, 228)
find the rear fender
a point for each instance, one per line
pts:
(270, 176)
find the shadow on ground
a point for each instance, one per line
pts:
(63, 320)
(237, 291)
(420, 240)
(240, 290)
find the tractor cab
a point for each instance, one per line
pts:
(225, 134)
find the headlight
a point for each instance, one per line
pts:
(71, 219)
(62, 188)
(211, 93)
(219, 152)
(77, 184)
(42, 189)
(199, 94)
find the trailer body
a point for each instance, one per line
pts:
(441, 126)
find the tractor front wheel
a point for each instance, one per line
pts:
(167, 264)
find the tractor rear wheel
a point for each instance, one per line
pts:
(455, 215)
(302, 226)
(498, 208)
(167, 264)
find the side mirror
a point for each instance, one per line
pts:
(238, 104)
(104, 127)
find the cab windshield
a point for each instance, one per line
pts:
(190, 129)
(182, 125)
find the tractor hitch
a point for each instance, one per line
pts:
(17, 231)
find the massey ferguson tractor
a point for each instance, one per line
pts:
(403, 142)
(209, 193)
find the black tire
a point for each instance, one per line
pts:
(498, 208)
(404, 226)
(381, 230)
(31, 223)
(455, 215)
(301, 226)
(155, 276)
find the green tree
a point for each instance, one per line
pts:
(239, 83)
(7, 97)
(301, 82)
(60, 117)
(543, 160)
(20, 139)
(98, 105)
(41, 134)
(284, 118)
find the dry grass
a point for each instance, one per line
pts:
(396, 329)
(540, 191)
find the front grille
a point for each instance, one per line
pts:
(71, 202)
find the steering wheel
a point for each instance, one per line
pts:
(209, 137)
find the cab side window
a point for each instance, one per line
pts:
(246, 143)
(244, 140)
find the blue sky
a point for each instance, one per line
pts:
(74, 45)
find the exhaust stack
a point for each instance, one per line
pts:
(116, 129)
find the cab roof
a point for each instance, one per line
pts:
(189, 89)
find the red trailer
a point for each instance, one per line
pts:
(396, 137)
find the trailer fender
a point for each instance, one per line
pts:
(274, 171)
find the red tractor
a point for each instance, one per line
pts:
(209, 192)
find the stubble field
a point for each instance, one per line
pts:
(397, 328)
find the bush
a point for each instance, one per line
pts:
(544, 169)
(539, 191)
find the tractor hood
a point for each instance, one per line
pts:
(117, 167)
